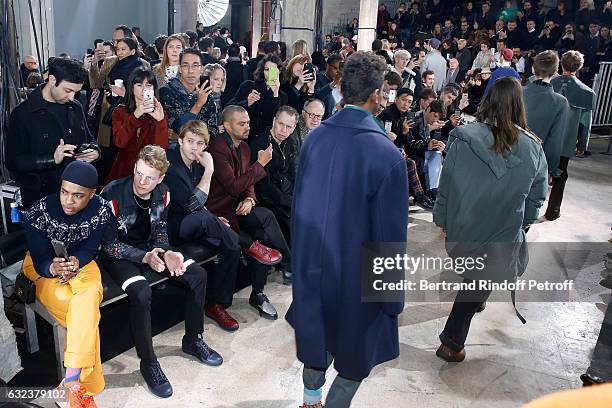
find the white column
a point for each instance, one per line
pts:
(368, 10)
(256, 14)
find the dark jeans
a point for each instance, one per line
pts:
(556, 194)
(128, 275)
(260, 224)
(458, 323)
(341, 392)
(206, 229)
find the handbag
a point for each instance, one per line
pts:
(25, 289)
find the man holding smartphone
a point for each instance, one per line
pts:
(64, 233)
(46, 129)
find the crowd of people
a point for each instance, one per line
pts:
(129, 154)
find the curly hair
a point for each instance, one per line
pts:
(363, 74)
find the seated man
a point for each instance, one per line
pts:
(399, 117)
(275, 191)
(232, 195)
(71, 289)
(137, 240)
(313, 112)
(425, 145)
(191, 169)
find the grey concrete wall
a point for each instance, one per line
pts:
(298, 14)
(78, 22)
(338, 13)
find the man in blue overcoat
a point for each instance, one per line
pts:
(351, 188)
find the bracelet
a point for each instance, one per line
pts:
(251, 200)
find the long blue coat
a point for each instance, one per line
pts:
(351, 188)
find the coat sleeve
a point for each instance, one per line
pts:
(224, 174)
(390, 218)
(242, 93)
(125, 127)
(18, 155)
(40, 249)
(87, 250)
(537, 192)
(553, 146)
(160, 136)
(439, 211)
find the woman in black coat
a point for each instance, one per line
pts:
(263, 96)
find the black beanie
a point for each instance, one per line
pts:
(81, 173)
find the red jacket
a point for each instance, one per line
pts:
(130, 134)
(233, 180)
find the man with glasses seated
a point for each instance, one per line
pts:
(183, 97)
(312, 114)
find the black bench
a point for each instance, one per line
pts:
(13, 248)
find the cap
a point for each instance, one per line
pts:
(434, 42)
(81, 173)
(507, 54)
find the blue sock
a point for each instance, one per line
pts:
(312, 397)
(72, 374)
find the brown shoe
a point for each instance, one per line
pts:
(317, 405)
(449, 355)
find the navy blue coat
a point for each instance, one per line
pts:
(351, 188)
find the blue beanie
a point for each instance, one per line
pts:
(81, 173)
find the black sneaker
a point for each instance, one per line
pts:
(424, 202)
(263, 306)
(201, 351)
(287, 276)
(156, 379)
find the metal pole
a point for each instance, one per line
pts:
(170, 17)
(40, 61)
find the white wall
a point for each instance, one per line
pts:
(79, 22)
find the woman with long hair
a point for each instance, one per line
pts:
(299, 47)
(140, 121)
(169, 65)
(299, 85)
(488, 220)
(211, 112)
(263, 96)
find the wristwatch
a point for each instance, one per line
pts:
(252, 200)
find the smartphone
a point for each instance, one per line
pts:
(273, 73)
(392, 95)
(388, 126)
(99, 46)
(147, 94)
(457, 112)
(493, 51)
(90, 51)
(83, 148)
(60, 249)
(204, 78)
(410, 115)
(309, 69)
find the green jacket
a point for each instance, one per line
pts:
(484, 199)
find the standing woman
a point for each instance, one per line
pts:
(509, 162)
(139, 122)
(211, 112)
(169, 65)
(263, 96)
(118, 67)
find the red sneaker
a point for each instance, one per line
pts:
(317, 405)
(264, 254)
(220, 315)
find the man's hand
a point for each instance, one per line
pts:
(435, 126)
(203, 91)
(205, 159)
(439, 146)
(454, 119)
(89, 156)
(62, 150)
(87, 61)
(264, 156)
(66, 269)
(118, 90)
(253, 97)
(432, 144)
(244, 207)
(175, 263)
(225, 221)
(391, 136)
(152, 259)
(99, 55)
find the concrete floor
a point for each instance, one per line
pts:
(507, 363)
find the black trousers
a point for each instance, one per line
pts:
(556, 194)
(283, 217)
(128, 275)
(260, 224)
(206, 229)
(458, 323)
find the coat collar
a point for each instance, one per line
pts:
(356, 118)
(37, 102)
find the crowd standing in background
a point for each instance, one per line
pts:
(191, 141)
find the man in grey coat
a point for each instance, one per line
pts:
(546, 110)
(434, 61)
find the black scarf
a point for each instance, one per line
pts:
(123, 68)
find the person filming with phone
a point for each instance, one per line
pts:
(139, 122)
(185, 97)
(263, 96)
(64, 232)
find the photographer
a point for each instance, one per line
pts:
(548, 36)
(571, 40)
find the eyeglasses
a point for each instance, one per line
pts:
(313, 116)
(191, 67)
